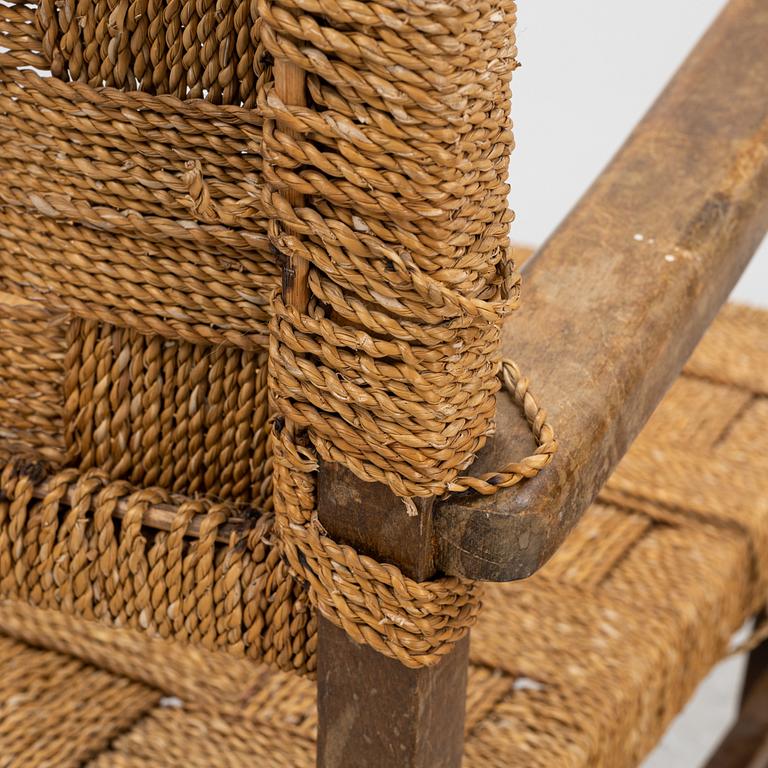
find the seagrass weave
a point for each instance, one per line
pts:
(137, 277)
(581, 666)
(164, 404)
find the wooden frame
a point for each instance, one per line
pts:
(656, 244)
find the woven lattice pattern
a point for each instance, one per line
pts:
(581, 666)
(137, 278)
(163, 522)
(187, 417)
(117, 207)
(155, 184)
(126, 197)
(187, 49)
(31, 358)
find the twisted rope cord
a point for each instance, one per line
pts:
(393, 368)
(375, 603)
(516, 471)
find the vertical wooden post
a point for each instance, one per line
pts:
(373, 711)
(757, 662)
(291, 87)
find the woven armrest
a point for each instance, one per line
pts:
(617, 299)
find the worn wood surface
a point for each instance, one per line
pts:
(372, 517)
(373, 711)
(746, 744)
(616, 300)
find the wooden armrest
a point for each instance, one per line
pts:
(617, 299)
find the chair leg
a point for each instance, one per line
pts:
(374, 712)
(746, 745)
(757, 664)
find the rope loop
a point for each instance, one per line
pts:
(515, 471)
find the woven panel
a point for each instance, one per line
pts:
(138, 207)
(154, 186)
(32, 349)
(198, 573)
(190, 49)
(137, 470)
(185, 417)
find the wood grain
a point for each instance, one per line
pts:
(373, 710)
(290, 85)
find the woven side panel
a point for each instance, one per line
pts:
(185, 417)
(20, 40)
(190, 49)
(604, 670)
(136, 208)
(691, 485)
(32, 349)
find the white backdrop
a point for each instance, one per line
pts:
(589, 72)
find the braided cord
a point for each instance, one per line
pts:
(393, 368)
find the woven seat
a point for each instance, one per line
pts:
(584, 664)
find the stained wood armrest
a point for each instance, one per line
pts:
(617, 299)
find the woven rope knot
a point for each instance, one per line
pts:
(198, 193)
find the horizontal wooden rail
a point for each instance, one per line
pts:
(617, 299)
(159, 516)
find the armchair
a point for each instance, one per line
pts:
(256, 294)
